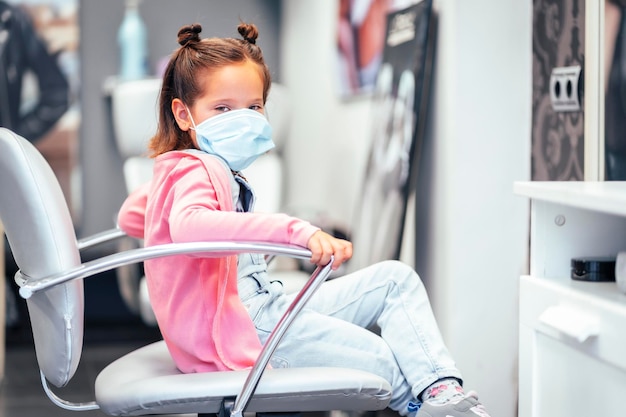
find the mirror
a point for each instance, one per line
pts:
(614, 90)
(39, 82)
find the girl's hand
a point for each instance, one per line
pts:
(322, 245)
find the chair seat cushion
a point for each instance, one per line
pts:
(146, 381)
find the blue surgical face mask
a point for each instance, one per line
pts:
(239, 137)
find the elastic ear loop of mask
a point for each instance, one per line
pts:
(191, 117)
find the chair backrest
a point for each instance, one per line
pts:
(134, 109)
(42, 239)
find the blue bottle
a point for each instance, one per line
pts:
(132, 40)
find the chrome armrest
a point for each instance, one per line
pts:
(31, 285)
(101, 237)
(320, 275)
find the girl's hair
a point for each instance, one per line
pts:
(181, 80)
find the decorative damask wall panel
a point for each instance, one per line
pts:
(557, 137)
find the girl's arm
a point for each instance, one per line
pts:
(199, 212)
(196, 215)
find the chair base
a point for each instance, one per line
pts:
(227, 406)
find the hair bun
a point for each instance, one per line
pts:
(248, 32)
(189, 34)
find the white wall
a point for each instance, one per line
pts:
(476, 233)
(327, 150)
(472, 231)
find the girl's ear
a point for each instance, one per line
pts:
(181, 114)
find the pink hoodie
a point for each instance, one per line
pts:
(194, 298)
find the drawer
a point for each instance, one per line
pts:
(572, 349)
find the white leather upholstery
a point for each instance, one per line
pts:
(41, 235)
(165, 389)
(135, 115)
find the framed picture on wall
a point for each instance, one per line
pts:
(360, 43)
(40, 80)
(400, 97)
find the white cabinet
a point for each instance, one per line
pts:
(572, 334)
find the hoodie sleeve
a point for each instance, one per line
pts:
(198, 212)
(131, 217)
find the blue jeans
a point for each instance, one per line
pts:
(332, 330)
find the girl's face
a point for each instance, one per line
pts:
(233, 87)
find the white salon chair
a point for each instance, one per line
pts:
(40, 232)
(134, 110)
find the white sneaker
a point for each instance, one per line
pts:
(468, 406)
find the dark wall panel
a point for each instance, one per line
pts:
(557, 137)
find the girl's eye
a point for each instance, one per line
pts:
(256, 107)
(222, 108)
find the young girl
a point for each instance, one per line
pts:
(215, 313)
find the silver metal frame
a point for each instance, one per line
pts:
(30, 286)
(68, 405)
(101, 237)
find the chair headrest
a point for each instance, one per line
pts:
(134, 107)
